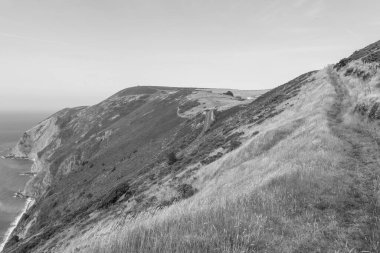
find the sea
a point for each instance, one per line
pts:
(12, 126)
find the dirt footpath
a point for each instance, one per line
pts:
(359, 211)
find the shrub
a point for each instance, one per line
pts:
(167, 202)
(186, 190)
(15, 239)
(115, 194)
(172, 158)
(234, 144)
(229, 93)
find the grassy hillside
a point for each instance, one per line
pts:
(92, 161)
(306, 180)
(158, 169)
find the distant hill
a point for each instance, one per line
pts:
(162, 169)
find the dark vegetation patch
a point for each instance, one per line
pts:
(211, 159)
(172, 158)
(373, 57)
(362, 109)
(167, 202)
(13, 240)
(186, 190)
(255, 133)
(223, 116)
(234, 144)
(122, 190)
(371, 112)
(368, 54)
(358, 73)
(229, 93)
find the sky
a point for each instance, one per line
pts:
(66, 53)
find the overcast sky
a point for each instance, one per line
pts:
(64, 53)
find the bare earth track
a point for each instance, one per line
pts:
(358, 210)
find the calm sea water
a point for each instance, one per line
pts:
(12, 126)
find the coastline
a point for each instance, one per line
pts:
(11, 132)
(28, 204)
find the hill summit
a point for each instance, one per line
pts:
(163, 169)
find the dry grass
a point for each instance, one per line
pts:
(289, 189)
(284, 216)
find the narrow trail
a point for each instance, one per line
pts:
(359, 208)
(209, 119)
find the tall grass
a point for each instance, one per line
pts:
(250, 203)
(286, 190)
(285, 216)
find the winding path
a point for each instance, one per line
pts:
(359, 210)
(209, 119)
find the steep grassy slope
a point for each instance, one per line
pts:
(257, 197)
(157, 189)
(180, 170)
(93, 160)
(307, 182)
(305, 179)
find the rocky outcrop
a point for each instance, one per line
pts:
(37, 139)
(44, 136)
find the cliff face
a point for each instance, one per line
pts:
(34, 141)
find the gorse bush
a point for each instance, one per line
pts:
(229, 93)
(172, 158)
(186, 190)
